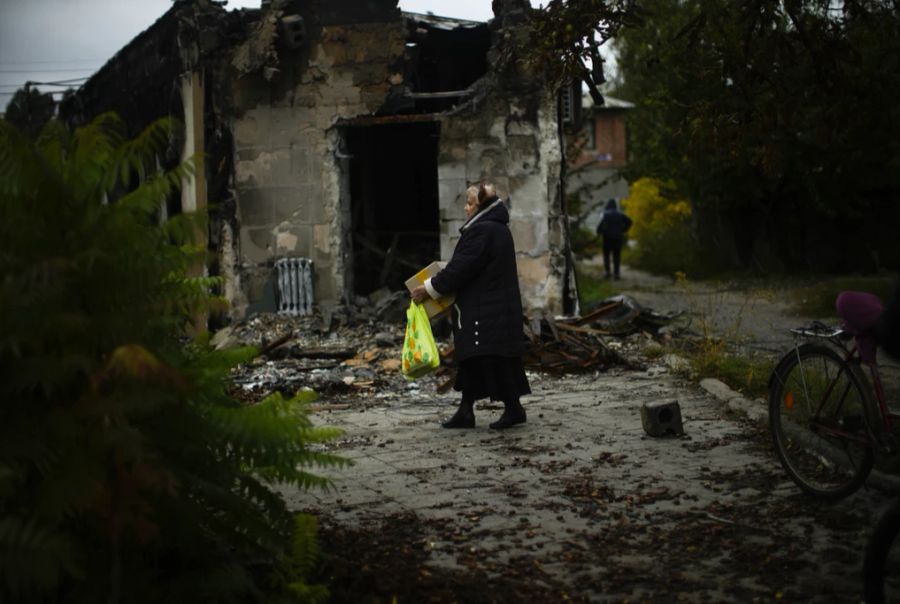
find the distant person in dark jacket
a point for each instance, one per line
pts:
(613, 226)
(487, 316)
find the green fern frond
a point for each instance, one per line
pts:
(303, 562)
(33, 559)
(305, 545)
(280, 474)
(260, 494)
(146, 198)
(183, 228)
(258, 426)
(200, 286)
(70, 485)
(237, 518)
(139, 154)
(52, 143)
(19, 164)
(90, 169)
(157, 443)
(309, 594)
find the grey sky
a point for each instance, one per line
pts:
(67, 40)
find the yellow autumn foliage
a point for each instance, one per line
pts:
(661, 229)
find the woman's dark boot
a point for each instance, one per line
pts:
(464, 416)
(513, 414)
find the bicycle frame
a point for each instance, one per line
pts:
(851, 355)
(887, 416)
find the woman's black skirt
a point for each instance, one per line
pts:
(500, 378)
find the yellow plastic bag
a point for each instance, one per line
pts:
(420, 354)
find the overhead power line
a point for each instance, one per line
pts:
(82, 70)
(58, 62)
(69, 82)
(2, 93)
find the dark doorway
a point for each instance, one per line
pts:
(393, 202)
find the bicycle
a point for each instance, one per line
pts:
(826, 419)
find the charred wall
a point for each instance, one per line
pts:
(176, 68)
(288, 172)
(513, 142)
(275, 113)
(292, 161)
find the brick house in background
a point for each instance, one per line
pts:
(338, 139)
(595, 171)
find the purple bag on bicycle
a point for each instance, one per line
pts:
(860, 313)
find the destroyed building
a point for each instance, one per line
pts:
(337, 141)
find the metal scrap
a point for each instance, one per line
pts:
(583, 343)
(563, 346)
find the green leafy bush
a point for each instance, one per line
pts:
(585, 243)
(661, 229)
(127, 472)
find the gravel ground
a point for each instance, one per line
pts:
(579, 504)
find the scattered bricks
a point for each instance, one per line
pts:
(662, 418)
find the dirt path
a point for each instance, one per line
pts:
(579, 504)
(755, 315)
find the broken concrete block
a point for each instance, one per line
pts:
(662, 418)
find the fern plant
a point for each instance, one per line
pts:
(127, 473)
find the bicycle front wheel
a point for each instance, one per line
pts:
(818, 409)
(881, 568)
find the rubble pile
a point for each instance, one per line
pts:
(583, 343)
(560, 346)
(355, 355)
(344, 356)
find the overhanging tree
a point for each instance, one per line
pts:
(777, 119)
(566, 36)
(29, 109)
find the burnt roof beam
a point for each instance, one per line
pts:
(449, 94)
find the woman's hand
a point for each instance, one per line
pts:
(420, 294)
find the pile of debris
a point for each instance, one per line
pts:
(357, 354)
(312, 352)
(579, 344)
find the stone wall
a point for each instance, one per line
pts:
(271, 113)
(517, 148)
(291, 180)
(287, 175)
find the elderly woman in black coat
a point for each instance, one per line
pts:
(487, 315)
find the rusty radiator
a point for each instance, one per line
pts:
(294, 277)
